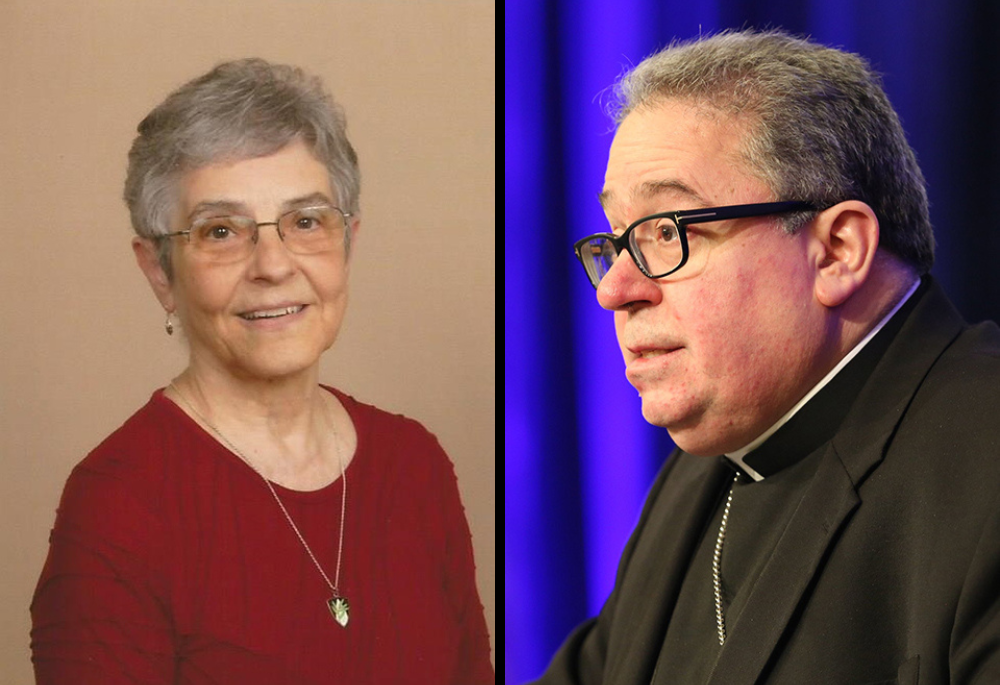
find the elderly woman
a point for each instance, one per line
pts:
(249, 525)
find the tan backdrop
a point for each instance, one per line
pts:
(81, 336)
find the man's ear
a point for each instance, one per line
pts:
(844, 239)
(148, 258)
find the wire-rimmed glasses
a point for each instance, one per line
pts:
(304, 231)
(658, 243)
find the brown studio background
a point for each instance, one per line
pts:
(81, 338)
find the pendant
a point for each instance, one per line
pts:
(340, 609)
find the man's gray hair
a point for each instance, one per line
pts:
(239, 110)
(820, 127)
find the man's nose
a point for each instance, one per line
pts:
(624, 285)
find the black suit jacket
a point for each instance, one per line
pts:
(889, 569)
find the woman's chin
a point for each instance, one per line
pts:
(272, 365)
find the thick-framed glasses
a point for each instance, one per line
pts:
(658, 243)
(304, 231)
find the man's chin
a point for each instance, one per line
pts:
(686, 428)
(663, 412)
(654, 413)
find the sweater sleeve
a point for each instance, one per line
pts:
(432, 544)
(100, 609)
(474, 653)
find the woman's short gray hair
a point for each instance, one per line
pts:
(820, 127)
(239, 110)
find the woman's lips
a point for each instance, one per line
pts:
(274, 313)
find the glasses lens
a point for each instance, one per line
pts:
(597, 255)
(658, 244)
(312, 229)
(223, 238)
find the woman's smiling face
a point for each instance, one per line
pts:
(274, 313)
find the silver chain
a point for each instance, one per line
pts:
(720, 617)
(335, 585)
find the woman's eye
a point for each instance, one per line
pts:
(311, 219)
(217, 231)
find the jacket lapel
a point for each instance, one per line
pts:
(828, 502)
(832, 496)
(665, 539)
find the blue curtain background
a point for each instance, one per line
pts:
(578, 456)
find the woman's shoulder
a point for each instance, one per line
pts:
(140, 434)
(114, 497)
(381, 428)
(395, 444)
(370, 414)
(144, 451)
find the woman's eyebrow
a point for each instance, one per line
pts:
(216, 206)
(317, 198)
(234, 207)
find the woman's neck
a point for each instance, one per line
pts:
(293, 432)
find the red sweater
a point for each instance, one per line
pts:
(170, 563)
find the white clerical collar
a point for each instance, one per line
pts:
(737, 457)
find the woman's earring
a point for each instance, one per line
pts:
(168, 326)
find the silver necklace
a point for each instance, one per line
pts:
(337, 604)
(720, 617)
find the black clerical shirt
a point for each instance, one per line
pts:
(761, 509)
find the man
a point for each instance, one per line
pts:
(768, 273)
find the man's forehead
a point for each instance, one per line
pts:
(651, 190)
(674, 155)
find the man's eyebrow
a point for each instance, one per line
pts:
(653, 189)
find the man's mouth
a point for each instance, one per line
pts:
(651, 352)
(271, 313)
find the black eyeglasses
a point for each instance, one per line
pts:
(658, 243)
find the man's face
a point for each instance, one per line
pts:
(721, 349)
